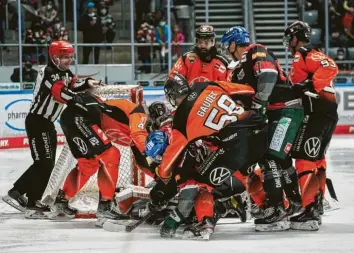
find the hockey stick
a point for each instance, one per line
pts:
(331, 190)
(130, 228)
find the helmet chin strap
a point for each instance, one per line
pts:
(57, 65)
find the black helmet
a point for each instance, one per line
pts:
(205, 32)
(176, 87)
(301, 30)
(157, 109)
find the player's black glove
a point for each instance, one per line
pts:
(300, 89)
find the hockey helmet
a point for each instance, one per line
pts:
(59, 48)
(158, 109)
(237, 34)
(299, 29)
(156, 144)
(176, 87)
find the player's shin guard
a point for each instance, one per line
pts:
(309, 183)
(321, 175)
(78, 177)
(108, 173)
(272, 184)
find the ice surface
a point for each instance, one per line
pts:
(335, 235)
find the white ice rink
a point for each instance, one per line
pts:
(335, 235)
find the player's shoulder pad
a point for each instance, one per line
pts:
(138, 109)
(223, 59)
(258, 51)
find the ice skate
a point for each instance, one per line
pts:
(231, 206)
(37, 211)
(294, 208)
(61, 208)
(107, 209)
(274, 220)
(308, 220)
(256, 211)
(171, 223)
(16, 200)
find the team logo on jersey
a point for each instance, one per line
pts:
(178, 65)
(192, 96)
(241, 75)
(296, 58)
(219, 175)
(192, 57)
(312, 147)
(118, 137)
(81, 145)
(259, 54)
(199, 79)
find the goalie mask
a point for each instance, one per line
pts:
(176, 87)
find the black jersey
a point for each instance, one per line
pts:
(257, 59)
(53, 90)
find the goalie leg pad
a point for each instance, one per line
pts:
(108, 173)
(204, 204)
(78, 177)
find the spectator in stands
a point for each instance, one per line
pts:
(28, 73)
(145, 35)
(47, 13)
(57, 31)
(177, 39)
(2, 21)
(184, 17)
(91, 28)
(108, 25)
(162, 38)
(142, 7)
(341, 56)
(36, 35)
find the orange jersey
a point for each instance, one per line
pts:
(124, 123)
(195, 71)
(309, 63)
(204, 112)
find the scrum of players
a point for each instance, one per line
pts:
(244, 139)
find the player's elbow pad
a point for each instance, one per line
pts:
(266, 83)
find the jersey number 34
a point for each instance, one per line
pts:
(218, 118)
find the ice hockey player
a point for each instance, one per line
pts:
(206, 112)
(311, 71)
(275, 101)
(55, 87)
(203, 63)
(84, 129)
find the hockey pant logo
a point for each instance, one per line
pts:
(81, 145)
(312, 147)
(219, 175)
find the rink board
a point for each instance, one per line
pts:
(14, 106)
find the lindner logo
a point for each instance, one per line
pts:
(219, 175)
(312, 146)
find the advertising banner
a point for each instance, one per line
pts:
(14, 106)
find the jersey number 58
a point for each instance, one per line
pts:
(218, 118)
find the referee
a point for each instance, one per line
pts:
(55, 86)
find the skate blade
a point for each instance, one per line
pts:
(188, 235)
(60, 216)
(99, 222)
(8, 200)
(311, 225)
(274, 227)
(116, 225)
(35, 215)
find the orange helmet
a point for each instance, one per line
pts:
(58, 48)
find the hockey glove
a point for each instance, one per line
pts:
(300, 89)
(259, 107)
(78, 102)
